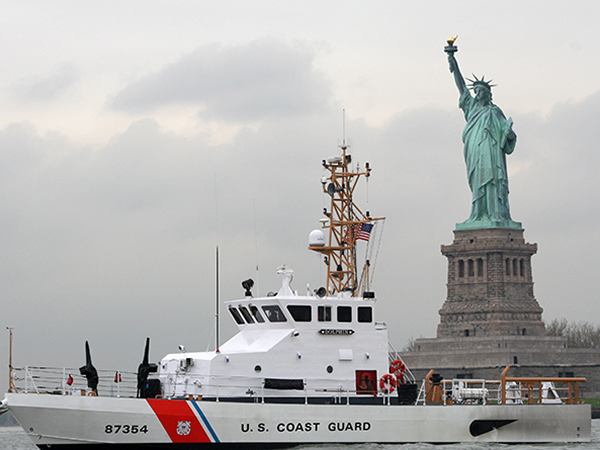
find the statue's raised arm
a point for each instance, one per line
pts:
(458, 78)
(488, 137)
(451, 49)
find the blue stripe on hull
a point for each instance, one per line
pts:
(206, 423)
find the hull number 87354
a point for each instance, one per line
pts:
(125, 429)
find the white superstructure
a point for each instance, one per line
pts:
(319, 343)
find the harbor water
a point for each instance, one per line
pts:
(14, 438)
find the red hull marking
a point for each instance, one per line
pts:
(178, 420)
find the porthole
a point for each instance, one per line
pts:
(257, 368)
(329, 369)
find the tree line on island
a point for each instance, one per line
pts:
(579, 334)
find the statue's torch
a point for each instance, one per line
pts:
(451, 49)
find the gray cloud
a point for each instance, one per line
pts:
(42, 89)
(561, 182)
(249, 82)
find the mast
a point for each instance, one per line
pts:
(217, 303)
(11, 383)
(345, 223)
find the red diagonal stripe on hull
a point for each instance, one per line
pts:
(174, 416)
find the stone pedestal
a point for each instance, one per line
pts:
(491, 319)
(490, 286)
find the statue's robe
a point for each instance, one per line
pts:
(488, 137)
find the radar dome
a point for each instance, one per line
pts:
(316, 238)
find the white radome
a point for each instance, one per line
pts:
(316, 238)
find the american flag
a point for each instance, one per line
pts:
(359, 231)
(363, 231)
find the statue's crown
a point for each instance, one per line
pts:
(481, 82)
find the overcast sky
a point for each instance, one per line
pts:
(136, 136)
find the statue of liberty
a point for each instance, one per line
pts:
(488, 137)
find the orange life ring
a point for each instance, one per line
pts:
(400, 377)
(388, 383)
(396, 366)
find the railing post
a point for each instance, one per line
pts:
(572, 394)
(444, 392)
(570, 390)
(503, 384)
(484, 393)
(305, 393)
(428, 385)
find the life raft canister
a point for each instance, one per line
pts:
(367, 384)
(398, 368)
(388, 383)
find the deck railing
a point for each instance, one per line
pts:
(458, 391)
(68, 381)
(540, 390)
(507, 390)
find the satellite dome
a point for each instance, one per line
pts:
(316, 238)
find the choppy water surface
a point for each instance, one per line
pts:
(15, 439)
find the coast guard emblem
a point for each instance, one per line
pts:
(184, 428)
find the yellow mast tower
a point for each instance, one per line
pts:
(345, 222)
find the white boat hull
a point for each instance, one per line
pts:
(70, 420)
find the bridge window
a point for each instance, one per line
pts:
(236, 315)
(480, 267)
(324, 313)
(365, 314)
(246, 314)
(507, 267)
(274, 313)
(300, 313)
(256, 313)
(344, 314)
(471, 268)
